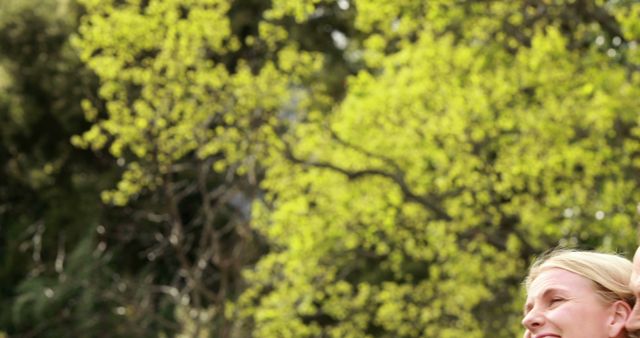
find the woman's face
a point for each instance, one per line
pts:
(563, 304)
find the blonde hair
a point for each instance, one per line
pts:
(609, 272)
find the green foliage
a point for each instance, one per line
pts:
(174, 90)
(400, 161)
(413, 209)
(50, 305)
(188, 117)
(49, 203)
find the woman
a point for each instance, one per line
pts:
(578, 294)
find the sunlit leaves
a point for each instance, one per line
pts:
(474, 135)
(164, 95)
(436, 177)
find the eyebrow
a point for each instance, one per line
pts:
(528, 306)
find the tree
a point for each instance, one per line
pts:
(403, 202)
(53, 280)
(466, 148)
(187, 116)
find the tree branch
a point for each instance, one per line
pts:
(398, 178)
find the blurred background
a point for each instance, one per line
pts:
(306, 168)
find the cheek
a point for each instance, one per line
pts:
(579, 317)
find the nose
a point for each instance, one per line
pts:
(533, 320)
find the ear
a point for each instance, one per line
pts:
(620, 312)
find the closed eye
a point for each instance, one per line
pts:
(555, 300)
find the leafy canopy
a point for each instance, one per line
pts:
(469, 137)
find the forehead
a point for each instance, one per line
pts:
(558, 279)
